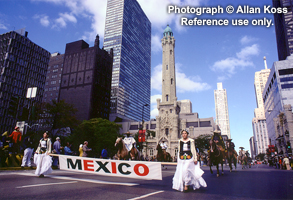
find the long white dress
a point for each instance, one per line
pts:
(42, 160)
(188, 173)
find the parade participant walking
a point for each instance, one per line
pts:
(28, 144)
(56, 150)
(188, 172)
(85, 149)
(42, 159)
(16, 139)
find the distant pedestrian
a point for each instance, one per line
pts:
(85, 149)
(28, 144)
(42, 158)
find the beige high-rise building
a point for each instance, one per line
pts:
(260, 79)
(259, 125)
(222, 114)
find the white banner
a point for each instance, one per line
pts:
(117, 168)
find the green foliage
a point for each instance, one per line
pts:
(99, 133)
(202, 142)
(63, 114)
(260, 156)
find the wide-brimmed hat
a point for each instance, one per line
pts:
(57, 138)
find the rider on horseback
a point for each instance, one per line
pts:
(164, 146)
(218, 140)
(129, 142)
(230, 148)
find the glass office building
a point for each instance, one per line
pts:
(283, 27)
(128, 32)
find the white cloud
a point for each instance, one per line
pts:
(247, 39)
(246, 52)
(228, 66)
(154, 110)
(2, 26)
(44, 19)
(156, 11)
(184, 83)
(156, 43)
(63, 19)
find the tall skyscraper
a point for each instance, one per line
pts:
(222, 114)
(260, 80)
(23, 65)
(128, 33)
(86, 79)
(53, 79)
(259, 125)
(283, 27)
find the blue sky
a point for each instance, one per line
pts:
(204, 55)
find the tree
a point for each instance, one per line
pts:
(202, 142)
(99, 133)
(61, 115)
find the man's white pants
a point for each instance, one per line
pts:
(26, 160)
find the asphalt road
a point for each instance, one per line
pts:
(258, 182)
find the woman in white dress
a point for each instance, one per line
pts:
(188, 172)
(42, 159)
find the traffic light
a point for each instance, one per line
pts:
(289, 147)
(13, 106)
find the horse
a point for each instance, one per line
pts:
(242, 159)
(231, 157)
(161, 156)
(122, 153)
(216, 158)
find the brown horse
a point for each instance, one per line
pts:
(161, 156)
(122, 152)
(232, 158)
(216, 158)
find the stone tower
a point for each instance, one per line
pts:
(167, 127)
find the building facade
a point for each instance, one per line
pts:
(86, 79)
(23, 65)
(284, 131)
(283, 26)
(221, 107)
(171, 121)
(259, 126)
(277, 93)
(53, 78)
(252, 147)
(128, 33)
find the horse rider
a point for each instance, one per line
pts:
(164, 146)
(218, 140)
(129, 141)
(230, 147)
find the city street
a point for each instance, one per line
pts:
(258, 182)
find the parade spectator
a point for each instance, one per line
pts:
(286, 162)
(85, 149)
(67, 150)
(80, 150)
(42, 159)
(28, 145)
(4, 151)
(280, 162)
(16, 139)
(56, 150)
(104, 153)
(188, 171)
